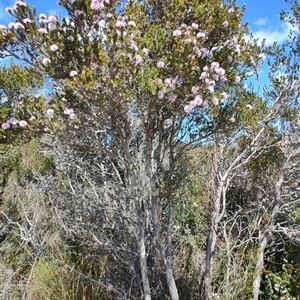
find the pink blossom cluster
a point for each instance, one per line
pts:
(46, 61)
(98, 4)
(168, 85)
(78, 13)
(27, 20)
(233, 44)
(70, 113)
(211, 75)
(19, 4)
(14, 122)
(198, 101)
(50, 113)
(51, 21)
(15, 25)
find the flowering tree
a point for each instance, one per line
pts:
(146, 78)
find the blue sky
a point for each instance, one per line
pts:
(264, 21)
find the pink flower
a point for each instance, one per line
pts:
(167, 81)
(145, 51)
(96, 5)
(251, 42)
(43, 18)
(12, 121)
(5, 125)
(73, 116)
(49, 99)
(42, 30)
(204, 50)
(188, 108)
(161, 94)
(68, 111)
(172, 86)
(198, 101)
(249, 106)
(224, 95)
(195, 26)
(120, 23)
(187, 41)
(220, 71)
(131, 23)
(137, 60)
(262, 56)
(237, 79)
(225, 24)
(19, 3)
(73, 73)
(201, 34)
(27, 20)
(22, 123)
(96, 18)
(16, 25)
(232, 119)
(211, 88)
(215, 65)
(78, 13)
(194, 89)
(53, 48)
(70, 38)
(51, 26)
(229, 58)
(133, 46)
(50, 113)
(46, 61)
(230, 10)
(177, 32)
(203, 75)
(52, 18)
(173, 97)
(215, 101)
(160, 64)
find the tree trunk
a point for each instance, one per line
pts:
(259, 265)
(211, 243)
(143, 262)
(167, 260)
(267, 235)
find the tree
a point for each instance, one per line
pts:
(143, 80)
(125, 66)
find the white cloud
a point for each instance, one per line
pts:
(5, 17)
(261, 21)
(271, 34)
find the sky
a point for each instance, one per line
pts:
(264, 21)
